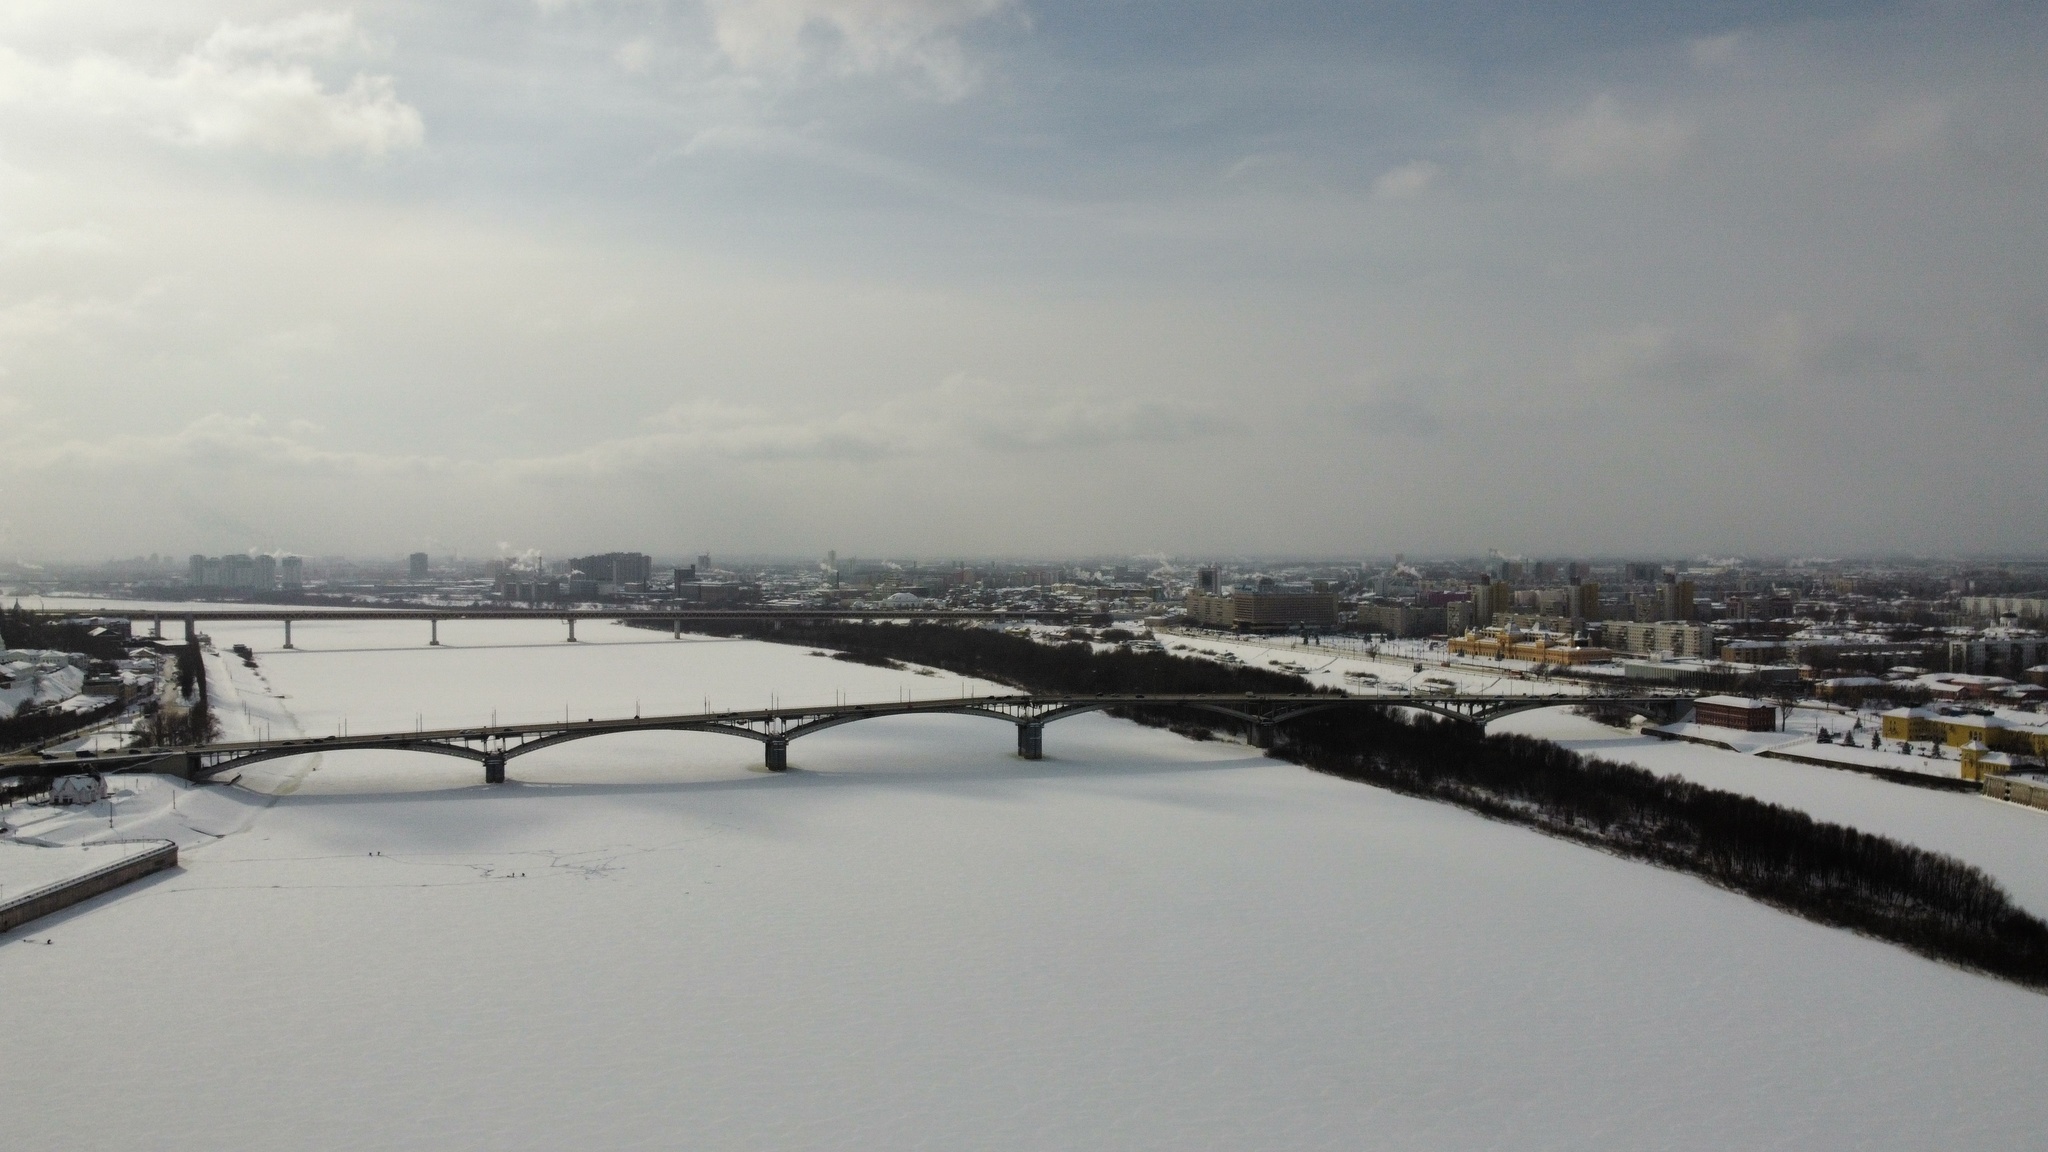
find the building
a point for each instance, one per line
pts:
(529, 588)
(2033, 607)
(1458, 617)
(716, 594)
(1674, 598)
(292, 573)
(416, 566)
(241, 573)
(1206, 580)
(611, 573)
(1534, 647)
(2021, 788)
(1403, 620)
(688, 575)
(1490, 598)
(1738, 712)
(703, 561)
(1980, 763)
(2017, 733)
(2008, 655)
(1245, 610)
(1675, 637)
(1585, 600)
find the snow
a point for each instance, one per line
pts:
(916, 939)
(1325, 665)
(1808, 745)
(25, 868)
(2007, 840)
(38, 678)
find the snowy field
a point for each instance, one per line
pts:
(914, 939)
(2010, 841)
(1328, 664)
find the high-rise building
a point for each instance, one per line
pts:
(612, 571)
(1585, 600)
(1674, 598)
(416, 566)
(703, 561)
(1489, 599)
(1206, 580)
(293, 571)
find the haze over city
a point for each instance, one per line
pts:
(1005, 277)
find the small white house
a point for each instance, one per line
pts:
(78, 790)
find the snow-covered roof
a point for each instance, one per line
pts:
(1734, 702)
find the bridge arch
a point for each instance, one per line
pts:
(315, 747)
(963, 710)
(567, 737)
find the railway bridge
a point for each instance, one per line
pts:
(493, 745)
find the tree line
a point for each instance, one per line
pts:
(1931, 903)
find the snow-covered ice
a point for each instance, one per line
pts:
(916, 939)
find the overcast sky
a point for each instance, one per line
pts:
(978, 277)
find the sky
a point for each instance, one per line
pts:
(1022, 277)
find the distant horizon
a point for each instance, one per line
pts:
(175, 563)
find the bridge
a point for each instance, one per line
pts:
(676, 618)
(774, 728)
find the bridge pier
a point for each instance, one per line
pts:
(287, 632)
(494, 768)
(1264, 735)
(776, 754)
(1031, 740)
(156, 628)
(433, 632)
(678, 628)
(191, 630)
(572, 628)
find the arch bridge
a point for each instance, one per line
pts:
(774, 728)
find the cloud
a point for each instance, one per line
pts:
(1407, 182)
(963, 414)
(1898, 132)
(634, 55)
(917, 38)
(246, 86)
(1603, 140)
(1711, 52)
(1784, 354)
(219, 443)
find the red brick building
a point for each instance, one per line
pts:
(1737, 712)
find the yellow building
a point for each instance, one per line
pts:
(1993, 733)
(1536, 648)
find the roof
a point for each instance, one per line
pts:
(1734, 702)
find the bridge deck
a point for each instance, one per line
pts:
(781, 724)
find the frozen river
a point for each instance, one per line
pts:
(916, 939)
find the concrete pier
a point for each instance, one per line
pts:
(776, 754)
(494, 768)
(1031, 740)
